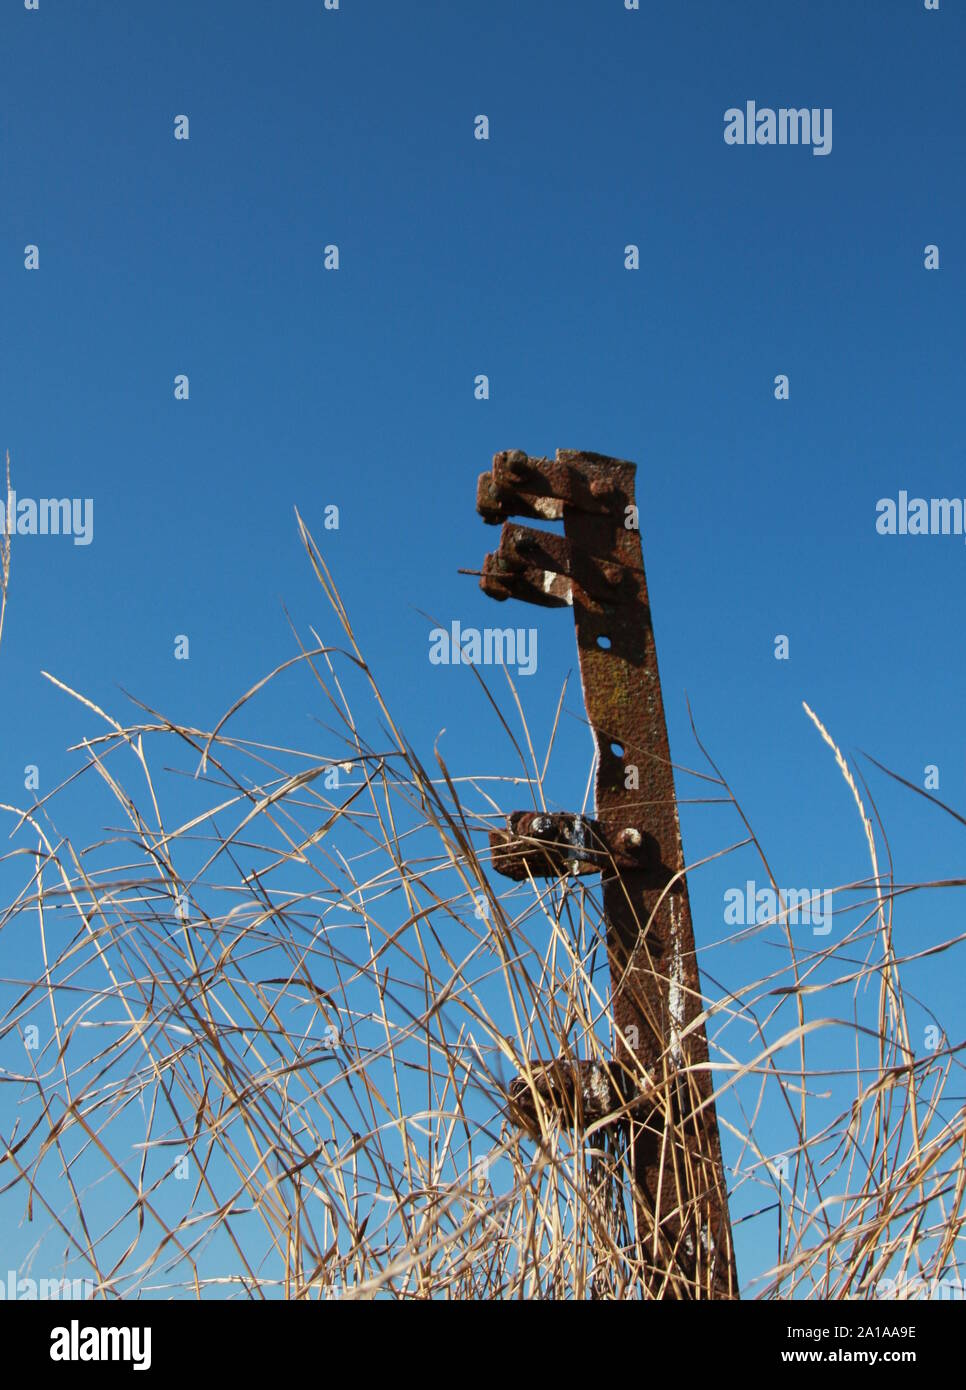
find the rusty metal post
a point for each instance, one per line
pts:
(660, 1084)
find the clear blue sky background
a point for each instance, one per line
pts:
(504, 257)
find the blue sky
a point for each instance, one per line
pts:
(505, 257)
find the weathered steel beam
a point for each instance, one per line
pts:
(597, 567)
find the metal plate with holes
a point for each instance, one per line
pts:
(634, 841)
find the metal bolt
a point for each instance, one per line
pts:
(514, 460)
(541, 825)
(613, 574)
(599, 487)
(630, 838)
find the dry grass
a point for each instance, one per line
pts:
(273, 1041)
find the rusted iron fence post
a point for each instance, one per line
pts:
(659, 1086)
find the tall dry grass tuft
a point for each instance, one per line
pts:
(265, 1051)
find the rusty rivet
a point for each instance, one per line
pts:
(541, 825)
(630, 838)
(613, 574)
(599, 487)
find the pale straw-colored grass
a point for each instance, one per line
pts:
(274, 1036)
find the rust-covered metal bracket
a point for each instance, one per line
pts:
(539, 844)
(584, 1092)
(633, 840)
